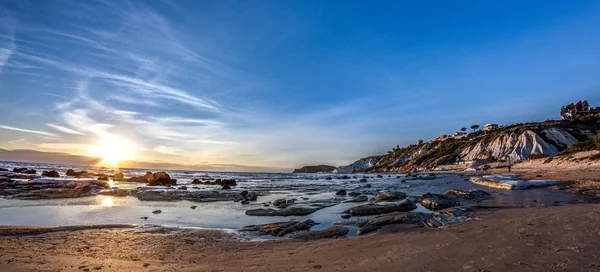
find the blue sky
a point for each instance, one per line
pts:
(284, 83)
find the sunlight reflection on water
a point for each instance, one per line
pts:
(107, 202)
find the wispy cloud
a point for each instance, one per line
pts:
(27, 130)
(64, 129)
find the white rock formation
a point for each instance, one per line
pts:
(514, 146)
(358, 165)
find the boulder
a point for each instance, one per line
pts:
(279, 202)
(341, 192)
(24, 171)
(103, 178)
(375, 209)
(436, 202)
(118, 177)
(50, 174)
(290, 211)
(196, 181)
(281, 228)
(388, 196)
(154, 179)
(353, 194)
(408, 220)
(226, 187)
(363, 180)
(329, 233)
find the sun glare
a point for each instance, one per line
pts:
(112, 150)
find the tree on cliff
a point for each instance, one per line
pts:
(463, 129)
(474, 127)
(571, 111)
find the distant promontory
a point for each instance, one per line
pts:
(315, 169)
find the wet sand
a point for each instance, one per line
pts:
(522, 239)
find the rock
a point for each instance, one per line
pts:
(344, 177)
(388, 196)
(4, 169)
(379, 176)
(193, 207)
(245, 202)
(72, 173)
(436, 202)
(226, 182)
(154, 179)
(196, 181)
(476, 195)
(50, 174)
(360, 198)
(328, 178)
(375, 209)
(346, 216)
(182, 187)
(244, 193)
(51, 188)
(341, 192)
(368, 186)
(290, 211)
(408, 220)
(363, 180)
(353, 194)
(226, 187)
(403, 180)
(103, 178)
(144, 217)
(329, 233)
(118, 177)
(156, 211)
(291, 201)
(279, 202)
(281, 228)
(252, 196)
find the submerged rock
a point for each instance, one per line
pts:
(329, 233)
(151, 194)
(375, 209)
(281, 228)
(360, 198)
(50, 174)
(289, 211)
(279, 202)
(388, 196)
(341, 192)
(408, 220)
(24, 171)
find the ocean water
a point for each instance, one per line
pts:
(306, 188)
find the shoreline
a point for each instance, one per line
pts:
(524, 239)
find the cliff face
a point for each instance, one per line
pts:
(359, 165)
(513, 143)
(315, 169)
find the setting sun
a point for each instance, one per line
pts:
(112, 150)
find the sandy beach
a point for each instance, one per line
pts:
(562, 238)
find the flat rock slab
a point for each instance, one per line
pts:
(376, 209)
(408, 220)
(152, 194)
(51, 188)
(289, 211)
(508, 182)
(329, 233)
(281, 228)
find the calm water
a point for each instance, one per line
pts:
(306, 188)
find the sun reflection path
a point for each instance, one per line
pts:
(107, 202)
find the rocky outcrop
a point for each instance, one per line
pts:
(315, 169)
(358, 165)
(436, 202)
(24, 171)
(281, 228)
(375, 209)
(155, 179)
(51, 188)
(118, 177)
(151, 194)
(222, 182)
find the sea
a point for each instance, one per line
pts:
(229, 215)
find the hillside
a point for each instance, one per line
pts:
(509, 143)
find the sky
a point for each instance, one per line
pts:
(275, 85)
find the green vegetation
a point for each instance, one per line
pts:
(579, 147)
(580, 111)
(474, 127)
